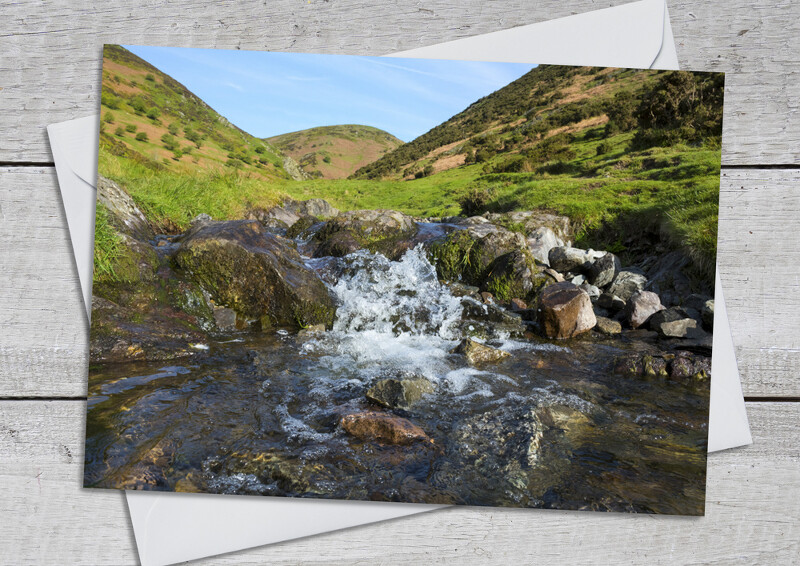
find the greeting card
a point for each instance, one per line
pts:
(407, 280)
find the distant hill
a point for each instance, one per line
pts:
(335, 152)
(153, 119)
(547, 101)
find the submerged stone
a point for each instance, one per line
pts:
(399, 393)
(383, 427)
(477, 353)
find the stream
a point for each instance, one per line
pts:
(550, 426)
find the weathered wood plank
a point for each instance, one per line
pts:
(50, 52)
(751, 514)
(44, 345)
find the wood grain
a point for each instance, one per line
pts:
(751, 515)
(50, 52)
(45, 336)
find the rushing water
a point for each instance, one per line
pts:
(259, 413)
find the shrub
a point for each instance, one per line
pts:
(119, 132)
(327, 159)
(109, 100)
(130, 128)
(150, 77)
(173, 128)
(603, 148)
(153, 113)
(141, 136)
(681, 107)
(476, 201)
(108, 118)
(169, 141)
(259, 149)
(138, 105)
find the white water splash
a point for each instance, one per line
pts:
(391, 316)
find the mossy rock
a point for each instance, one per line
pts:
(516, 275)
(467, 255)
(383, 231)
(257, 274)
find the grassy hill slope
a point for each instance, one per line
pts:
(335, 152)
(149, 117)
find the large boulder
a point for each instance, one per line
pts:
(641, 307)
(627, 283)
(565, 310)
(124, 215)
(384, 231)
(515, 275)
(253, 272)
(382, 427)
(603, 270)
(466, 255)
(399, 393)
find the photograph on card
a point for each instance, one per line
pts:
(405, 280)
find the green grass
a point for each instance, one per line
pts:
(107, 247)
(171, 200)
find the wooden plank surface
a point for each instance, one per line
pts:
(49, 71)
(50, 51)
(752, 515)
(45, 335)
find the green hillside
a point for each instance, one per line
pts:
(150, 118)
(335, 152)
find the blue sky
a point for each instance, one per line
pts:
(267, 94)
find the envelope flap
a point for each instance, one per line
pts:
(77, 139)
(630, 35)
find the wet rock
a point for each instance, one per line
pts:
(565, 259)
(707, 314)
(541, 241)
(565, 311)
(561, 423)
(124, 215)
(255, 273)
(641, 307)
(384, 231)
(654, 366)
(608, 326)
(461, 290)
(383, 427)
(673, 322)
(477, 353)
(276, 218)
(399, 393)
(339, 244)
(681, 366)
(225, 318)
(686, 366)
(610, 302)
(487, 298)
(312, 330)
(626, 283)
(603, 270)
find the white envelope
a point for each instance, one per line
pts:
(174, 527)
